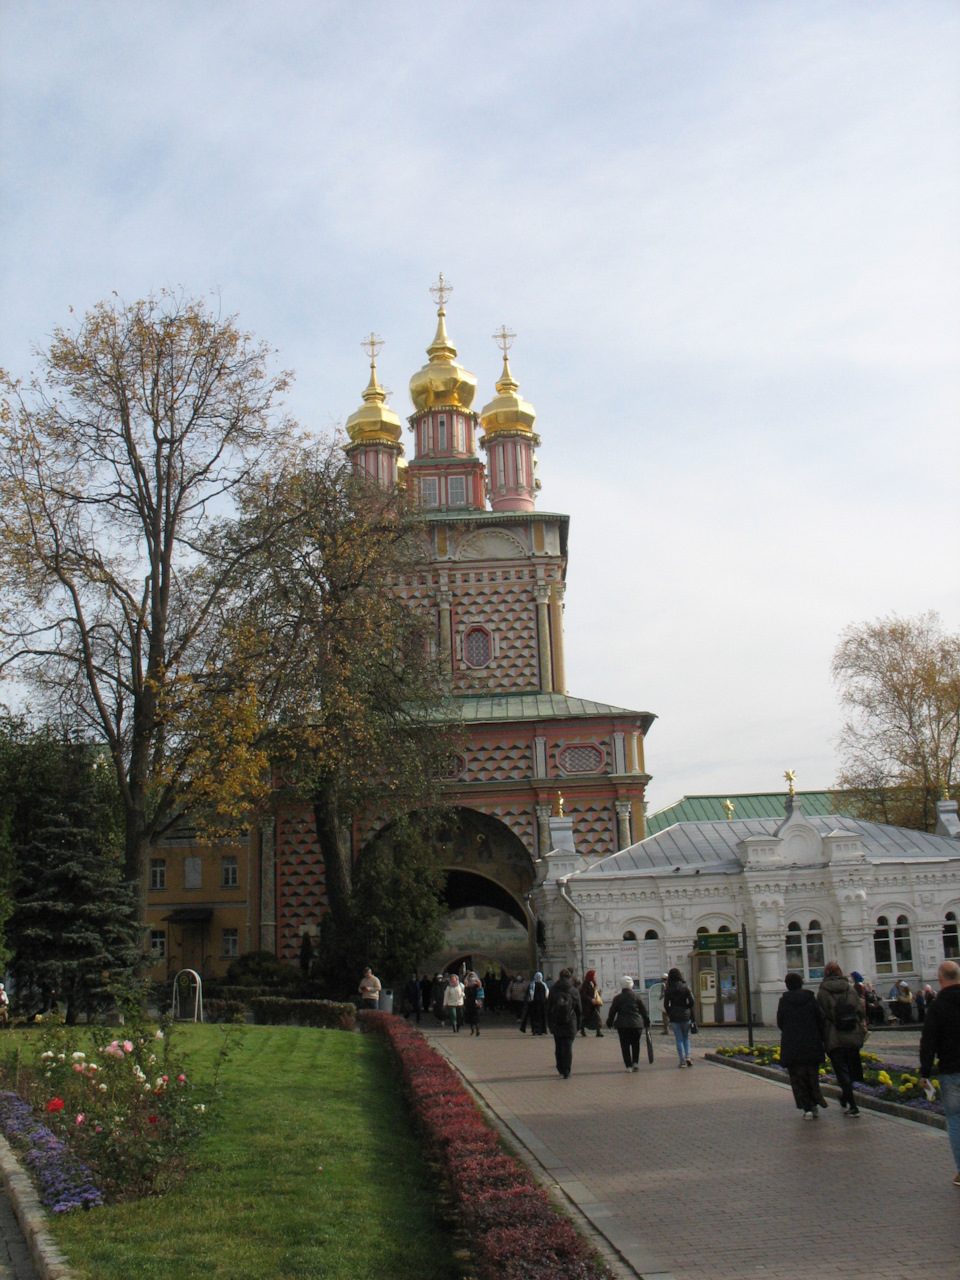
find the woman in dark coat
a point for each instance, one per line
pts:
(678, 1005)
(846, 1030)
(472, 1002)
(592, 1002)
(535, 1006)
(802, 1028)
(627, 1015)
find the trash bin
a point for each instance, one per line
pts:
(386, 1002)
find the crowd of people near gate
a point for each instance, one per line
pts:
(832, 1022)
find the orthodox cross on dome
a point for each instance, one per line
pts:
(441, 292)
(372, 345)
(504, 339)
(791, 777)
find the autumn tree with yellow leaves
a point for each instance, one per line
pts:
(900, 751)
(316, 621)
(140, 422)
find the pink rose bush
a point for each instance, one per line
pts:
(126, 1110)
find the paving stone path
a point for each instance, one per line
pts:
(710, 1174)
(15, 1260)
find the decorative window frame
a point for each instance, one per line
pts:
(469, 629)
(469, 624)
(451, 480)
(434, 482)
(580, 773)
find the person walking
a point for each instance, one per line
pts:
(369, 990)
(412, 999)
(535, 1006)
(678, 1006)
(591, 1000)
(472, 1001)
(437, 992)
(453, 1001)
(627, 1016)
(846, 1030)
(940, 1040)
(564, 1015)
(802, 1030)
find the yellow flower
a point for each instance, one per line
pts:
(885, 1079)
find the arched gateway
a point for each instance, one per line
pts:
(489, 876)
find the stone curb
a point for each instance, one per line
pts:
(864, 1100)
(49, 1261)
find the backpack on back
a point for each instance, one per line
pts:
(844, 1015)
(563, 1009)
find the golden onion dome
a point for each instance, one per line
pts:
(506, 411)
(442, 382)
(374, 422)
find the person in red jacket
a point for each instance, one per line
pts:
(940, 1040)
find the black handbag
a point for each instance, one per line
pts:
(694, 1029)
(646, 1032)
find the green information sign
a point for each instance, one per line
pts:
(718, 941)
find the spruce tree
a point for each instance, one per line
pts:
(73, 928)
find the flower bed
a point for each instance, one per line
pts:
(122, 1114)
(514, 1231)
(63, 1182)
(884, 1080)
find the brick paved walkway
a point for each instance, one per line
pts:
(710, 1174)
(15, 1260)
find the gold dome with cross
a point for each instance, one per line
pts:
(507, 412)
(374, 422)
(442, 383)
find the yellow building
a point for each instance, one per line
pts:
(203, 907)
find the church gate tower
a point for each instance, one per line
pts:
(494, 579)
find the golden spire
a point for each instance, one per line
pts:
(791, 778)
(559, 804)
(507, 411)
(374, 422)
(728, 808)
(442, 383)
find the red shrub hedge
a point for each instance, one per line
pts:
(513, 1230)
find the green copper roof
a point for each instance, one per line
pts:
(532, 706)
(759, 804)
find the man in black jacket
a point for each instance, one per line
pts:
(564, 1015)
(940, 1039)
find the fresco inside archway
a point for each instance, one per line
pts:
(489, 937)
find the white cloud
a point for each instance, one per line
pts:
(725, 235)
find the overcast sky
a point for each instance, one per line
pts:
(726, 235)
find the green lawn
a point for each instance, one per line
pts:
(311, 1171)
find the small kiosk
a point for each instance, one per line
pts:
(719, 979)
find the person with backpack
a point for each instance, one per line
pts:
(678, 1006)
(845, 1022)
(564, 1015)
(627, 1016)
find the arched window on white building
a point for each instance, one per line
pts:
(815, 958)
(951, 940)
(892, 947)
(805, 949)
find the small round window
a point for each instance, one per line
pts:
(477, 647)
